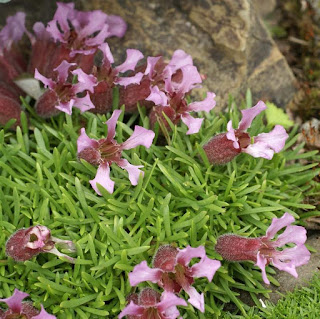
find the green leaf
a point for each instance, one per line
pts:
(276, 116)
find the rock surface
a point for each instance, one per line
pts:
(227, 40)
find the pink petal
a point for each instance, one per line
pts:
(157, 97)
(13, 31)
(259, 150)
(125, 81)
(66, 107)
(170, 300)
(185, 255)
(275, 139)
(205, 268)
(40, 32)
(85, 81)
(151, 63)
(56, 252)
(133, 56)
(143, 272)
(261, 263)
(14, 302)
(140, 136)
(133, 171)
(249, 114)
(64, 12)
(90, 22)
(103, 178)
(131, 309)
(190, 77)
(288, 259)
(206, 105)
(84, 141)
(231, 135)
(111, 123)
(99, 38)
(47, 82)
(292, 234)
(277, 224)
(83, 103)
(44, 315)
(42, 233)
(178, 60)
(53, 30)
(63, 70)
(193, 124)
(195, 299)
(107, 55)
(116, 26)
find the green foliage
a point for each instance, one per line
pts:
(181, 200)
(275, 116)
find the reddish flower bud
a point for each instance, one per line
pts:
(102, 98)
(27, 243)
(9, 109)
(46, 104)
(238, 248)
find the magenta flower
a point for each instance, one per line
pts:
(168, 92)
(265, 250)
(172, 272)
(149, 304)
(61, 94)
(27, 243)
(19, 309)
(223, 147)
(104, 152)
(83, 32)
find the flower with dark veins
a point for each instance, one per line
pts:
(22, 310)
(149, 304)
(265, 250)
(27, 243)
(172, 272)
(223, 147)
(82, 32)
(63, 95)
(104, 152)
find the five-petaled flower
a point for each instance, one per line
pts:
(150, 304)
(19, 309)
(63, 95)
(172, 272)
(223, 147)
(168, 91)
(29, 242)
(265, 250)
(106, 151)
(83, 32)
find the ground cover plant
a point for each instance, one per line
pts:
(102, 229)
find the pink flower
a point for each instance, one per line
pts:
(83, 32)
(265, 250)
(168, 92)
(27, 243)
(150, 304)
(223, 147)
(106, 151)
(61, 94)
(19, 309)
(172, 272)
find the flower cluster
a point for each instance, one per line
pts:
(265, 250)
(19, 309)
(171, 271)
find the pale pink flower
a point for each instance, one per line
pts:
(172, 272)
(104, 152)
